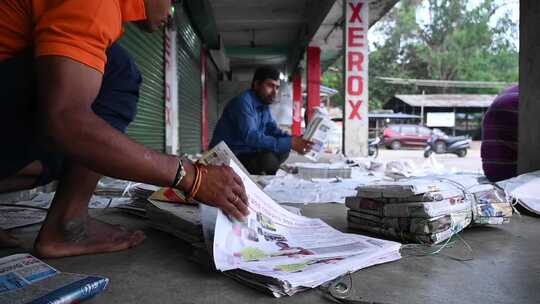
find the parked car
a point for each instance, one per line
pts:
(397, 136)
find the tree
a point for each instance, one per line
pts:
(457, 43)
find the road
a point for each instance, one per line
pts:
(471, 162)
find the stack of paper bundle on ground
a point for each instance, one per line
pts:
(273, 250)
(321, 170)
(139, 194)
(111, 187)
(426, 210)
(180, 220)
(281, 252)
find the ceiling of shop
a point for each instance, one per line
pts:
(276, 32)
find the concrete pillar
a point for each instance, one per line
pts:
(355, 116)
(172, 138)
(313, 80)
(529, 95)
(297, 104)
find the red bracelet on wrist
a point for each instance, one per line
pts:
(200, 171)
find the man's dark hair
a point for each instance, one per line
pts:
(266, 72)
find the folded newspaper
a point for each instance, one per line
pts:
(524, 190)
(318, 131)
(280, 252)
(25, 279)
(427, 210)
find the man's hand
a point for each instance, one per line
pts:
(301, 145)
(222, 188)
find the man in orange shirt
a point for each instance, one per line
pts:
(68, 93)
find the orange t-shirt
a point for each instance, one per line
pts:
(79, 29)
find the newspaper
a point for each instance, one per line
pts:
(290, 189)
(180, 220)
(413, 209)
(299, 252)
(414, 225)
(525, 190)
(317, 132)
(281, 252)
(322, 170)
(26, 213)
(25, 279)
(429, 209)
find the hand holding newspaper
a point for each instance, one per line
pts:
(286, 252)
(317, 132)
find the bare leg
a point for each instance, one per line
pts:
(23, 180)
(68, 230)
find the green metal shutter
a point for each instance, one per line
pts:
(213, 105)
(148, 128)
(189, 87)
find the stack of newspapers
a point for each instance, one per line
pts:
(274, 250)
(323, 170)
(428, 209)
(139, 194)
(281, 252)
(179, 219)
(111, 187)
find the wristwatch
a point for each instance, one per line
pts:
(180, 173)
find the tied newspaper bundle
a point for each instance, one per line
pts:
(427, 210)
(25, 279)
(139, 194)
(317, 132)
(310, 171)
(283, 253)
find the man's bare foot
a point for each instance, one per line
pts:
(84, 236)
(8, 241)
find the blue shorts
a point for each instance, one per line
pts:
(116, 103)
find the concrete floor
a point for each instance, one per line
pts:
(505, 269)
(471, 163)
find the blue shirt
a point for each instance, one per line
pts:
(247, 126)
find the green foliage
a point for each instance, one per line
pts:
(458, 42)
(333, 78)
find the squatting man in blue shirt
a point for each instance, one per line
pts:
(248, 128)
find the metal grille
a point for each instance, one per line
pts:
(148, 128)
